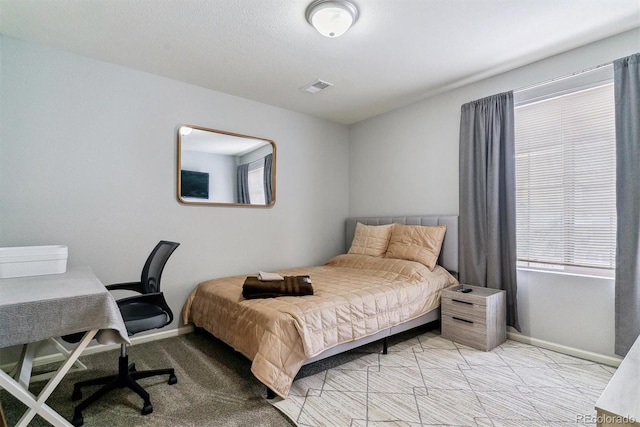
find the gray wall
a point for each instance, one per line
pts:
(406, 162)
(222, 172)
(88, 159)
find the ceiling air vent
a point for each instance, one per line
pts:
(317, 86)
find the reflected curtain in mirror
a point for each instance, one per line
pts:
(242, 186)
(268, 159)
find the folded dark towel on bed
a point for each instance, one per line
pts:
(290, 286)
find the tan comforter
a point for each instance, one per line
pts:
(354, 296)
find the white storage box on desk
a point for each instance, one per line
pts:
(32, 261)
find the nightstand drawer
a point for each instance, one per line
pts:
(477, 296)
(459, 307)
(465, 332)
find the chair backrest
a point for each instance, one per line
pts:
(152, 270)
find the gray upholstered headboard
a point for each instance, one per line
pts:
(449, 253)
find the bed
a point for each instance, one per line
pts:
(388, 281)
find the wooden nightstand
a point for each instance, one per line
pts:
(476, 319)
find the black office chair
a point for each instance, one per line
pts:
(143, 312)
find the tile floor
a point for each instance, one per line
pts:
(430, 381)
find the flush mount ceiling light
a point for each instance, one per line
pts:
(332, 18)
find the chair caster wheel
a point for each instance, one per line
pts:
(172, 379)
(147, 409)
(77, 420)
(132, 367)
(76, 395)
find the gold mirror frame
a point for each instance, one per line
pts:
(208, 167)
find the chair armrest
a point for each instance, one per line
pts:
(130, 286)
(156, 298)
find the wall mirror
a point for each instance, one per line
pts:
(223, 168)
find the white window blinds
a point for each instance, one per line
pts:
(256, 182)
(565, 180)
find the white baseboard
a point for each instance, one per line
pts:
(57, 357)
(570, 351)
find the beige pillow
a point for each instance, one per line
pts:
(371, 239)
(417, 243)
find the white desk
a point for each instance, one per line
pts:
(619, 404)
(37, 308)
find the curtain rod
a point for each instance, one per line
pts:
(546, 82)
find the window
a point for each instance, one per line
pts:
(256, 182)
(565, 176)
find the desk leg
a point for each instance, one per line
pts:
(22, 371)
(37, 404)
(62, 349)
(77, 366)
(25, 365)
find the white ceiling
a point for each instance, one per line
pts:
(398, 52)
(219, 143)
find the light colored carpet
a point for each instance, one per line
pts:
(428, 381)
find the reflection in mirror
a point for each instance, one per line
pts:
(224, 168)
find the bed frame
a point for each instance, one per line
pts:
(448, 259)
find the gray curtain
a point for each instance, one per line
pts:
(627, 104)
(242, 186)
(268, 192)
(487, 197)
